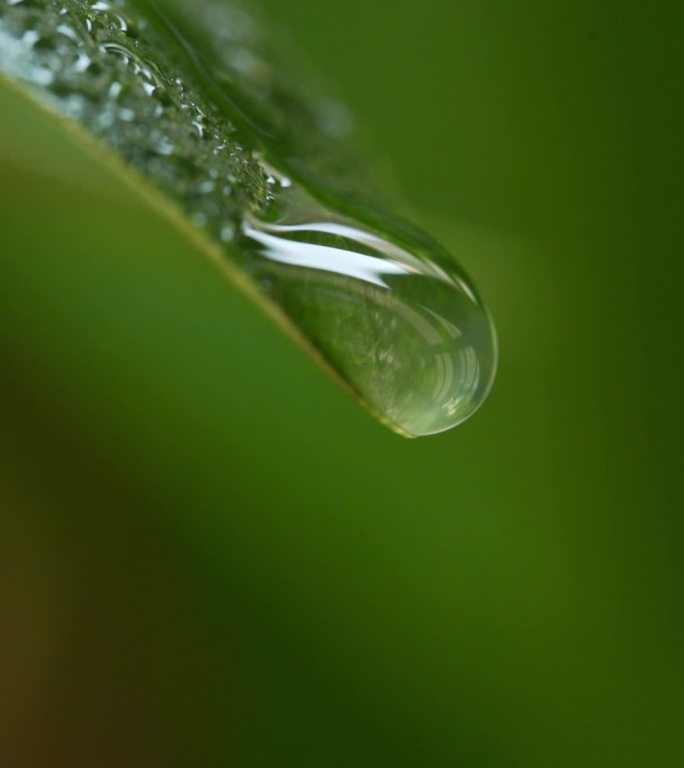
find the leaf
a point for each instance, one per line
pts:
(188, 103)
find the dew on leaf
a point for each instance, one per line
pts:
(187, 95)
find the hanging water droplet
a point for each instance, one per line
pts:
(397, 320)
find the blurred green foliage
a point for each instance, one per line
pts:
(209, 556)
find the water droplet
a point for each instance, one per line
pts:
(227, 233)
(395, 319)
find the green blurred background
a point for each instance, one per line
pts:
(209, 556)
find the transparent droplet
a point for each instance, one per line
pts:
(396, 319)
